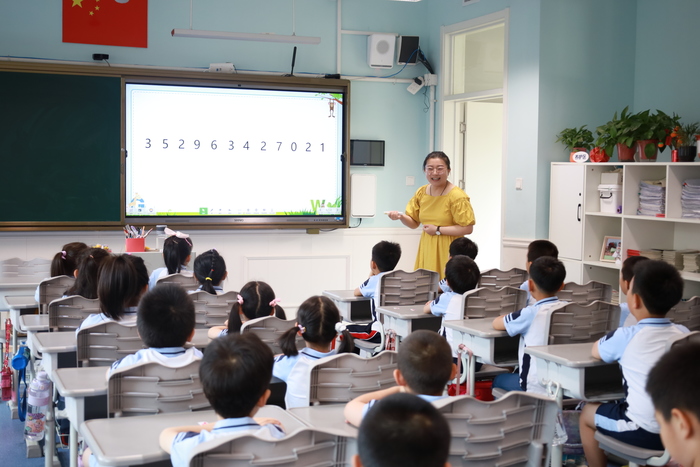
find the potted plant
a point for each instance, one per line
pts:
(576, 140)
(651, 133)
(683, 139)
(619, 132)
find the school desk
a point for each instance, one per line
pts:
(352, 308)
(134, 440)
(329, 418)
(487, 344)
(405, 319)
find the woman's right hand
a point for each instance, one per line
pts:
(394, 215)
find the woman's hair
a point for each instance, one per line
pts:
(175, 252)
(318, 318)
(437, 155)
(258, 301)
(209, 269)
(121, 281)
(88, 273)
(64, 262)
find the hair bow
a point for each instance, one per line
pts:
(340, 327)
(178, 234)
(302, 329)
(274, 302)
(63, 254)
(239, 299)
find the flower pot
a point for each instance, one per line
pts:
(647, 150)
(624, 153)
(579, 155)
(686, 154)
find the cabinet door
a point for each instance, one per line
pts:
(566, 209)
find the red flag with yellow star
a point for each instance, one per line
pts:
(106, 22)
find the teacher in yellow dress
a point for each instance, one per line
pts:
(443, 209)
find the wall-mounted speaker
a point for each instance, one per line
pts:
(407, 50)
(380, 50)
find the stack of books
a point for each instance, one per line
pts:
(691, 262)
(690, 199)
(652, 198)
(675, 257)
(652, 254)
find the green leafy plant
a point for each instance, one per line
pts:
(684, 135)
(619, 130)
(576, 138)
(656, 127)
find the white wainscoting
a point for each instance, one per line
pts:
(514, 253)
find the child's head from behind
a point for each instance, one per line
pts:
(319, 323)
(88, 273)
(464, 246)
(255, 300)
(656, 285)
(235, 374)
(627, 271)
(548, 274)
(425, 363)
(122, 280)
(176, 252)
(539, 248)
(210, 270)
(166, 316)
(462, 274)
(65, 261)
(403, 429)
(386, 255)
(672, 385)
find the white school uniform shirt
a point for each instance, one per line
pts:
(530, 324)
(425, 397)
(530, 299)
(186, 441)
(637, 348)
(296, 372)
(449, 306)
(129, 319)
(170, 357)
(162, 272)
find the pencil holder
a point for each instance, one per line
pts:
(135, 245)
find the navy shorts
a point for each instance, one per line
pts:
(610, 419)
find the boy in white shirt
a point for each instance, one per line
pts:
(626, 275)
(537, 249)
(460, 246)
(656, 287)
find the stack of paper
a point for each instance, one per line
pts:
(652, 254)
(652, 198)
(690, 198)
(675, 257)
(691, 262)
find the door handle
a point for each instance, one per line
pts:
(578, 212)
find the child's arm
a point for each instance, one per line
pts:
(215, 331)
(595, 351)
(426, 307)
(168, 435)
(499, 323)
(355, 408)
(358, 292)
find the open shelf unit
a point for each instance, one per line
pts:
(575, 214)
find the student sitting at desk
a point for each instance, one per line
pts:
(86, 273)
(462, 274)
(210, 270)
(537, 249)
(403, 429)
(177, 249)
(460, 246)
(546, 279)
(656, 287)
(235, 371)
(424, 368)
(626, 275)
(673, 384)
(123, 280)
(64, 262)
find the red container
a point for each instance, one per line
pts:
(135, 245)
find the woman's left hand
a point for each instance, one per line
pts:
(430, 229)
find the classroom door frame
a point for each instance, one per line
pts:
(457, 91)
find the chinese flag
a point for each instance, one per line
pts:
(106, 22)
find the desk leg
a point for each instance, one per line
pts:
(472, 374)
(73, 446)
(558, 450)
(50, 432)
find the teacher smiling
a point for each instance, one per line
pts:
(443, 209)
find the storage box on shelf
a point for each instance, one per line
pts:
(577, 225)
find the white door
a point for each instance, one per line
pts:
(566, 210)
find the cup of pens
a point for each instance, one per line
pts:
(135, 238)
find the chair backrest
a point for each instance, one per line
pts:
(305, 447)
(269, 329)
(586, 293)
(19, 270)
(211, 310)
(686, 313)
(407, 288)
(151, 388)
(186, 281)
(575, 323)
(340, 378)
(53, 288)
(105, 343)
(66, 314)
(691, 338)
(497, 278)
(516, 429)
(490, 302)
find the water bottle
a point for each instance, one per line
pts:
(37, 407)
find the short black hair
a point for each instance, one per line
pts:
(548, 274)
(235, 371)
(437, 155)
(539, 248)
(386, 255)
(674, 380)
(658, 284)
(403, 429)
(464, 246)
(165, 316)
(462, 274)
(628, 266)
(425, 362)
